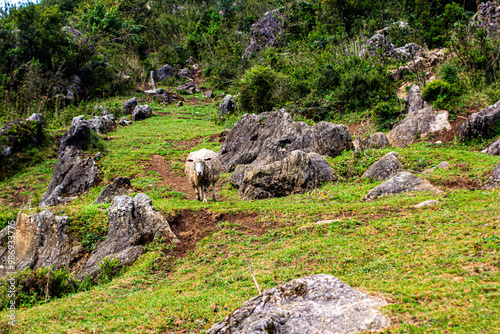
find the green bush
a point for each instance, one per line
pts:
(386, 114)
(441, 94)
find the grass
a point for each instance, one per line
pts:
(439, 267)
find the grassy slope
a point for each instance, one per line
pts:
(440, 267)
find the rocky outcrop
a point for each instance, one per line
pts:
(494, 180)
(401, 183)
(129, 106)
(418, 124)
(39, 240)
(21, 133)
(102, 124)
(296, 174)
(314, 304)
(165, 72)
(488, 18)
(133, 223)
(226, 107)
(264, 33)
(485, 123)
(425, 62)
(271, 136)
(378, 140)
(189, 88)
(378, 45)
(185, 73)
(384, 168)
(141, 112)
(493, 149)
(75, 171)
(120, 186)
(441, 165)
(413, 100)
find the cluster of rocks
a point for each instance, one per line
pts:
(138, 112)
(483, 123)
(488, 18)
(17, 135)
(424, 62)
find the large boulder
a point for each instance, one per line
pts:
(378, 140)
(120, 186)
(493, 149)
(418, 124)
(296, 174)
(39, 240)
(494, 180)
(384, 168)
(315, 304)
(102, 124)
(401, 183)
(133, 223)
(129, 106)
(264, 33)
(484, 123)
(165, 72)
(19, 134)
(271, 136)
(75, 171)
(142, 112)
(226, 107)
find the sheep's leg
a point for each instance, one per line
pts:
(203, 188)
(197, 194)
(213, 185)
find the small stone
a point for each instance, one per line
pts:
(424, 204)
(441, 165)
(179, 104)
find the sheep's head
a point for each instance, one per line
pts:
(199, 165)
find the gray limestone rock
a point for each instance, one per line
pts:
(185, 73)
(494, 180)
(209, 94)
(141, 112)
(189, 88)
(226, 107)
(425, 204)
(120, 186)
(401, 183)
(378, 140)
(441, 165)
(124, 121)
(493, 149)
(483, 123)
(413, 100)
(264, 33)
(314, 304)
(165, 72)
(129, 106)
(384, 168)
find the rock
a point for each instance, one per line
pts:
(315, 304)
(483, 123)
(425, 62)
(179, 104)
(222, 94)
(413, 100)
(418, 125)
(157, 91)
(120, 186)
(400, 183)
(271, 136)
(442, 165)
(19, 134)
(37, 117)
(40, 240)
(378, 140)
(494, 180)
(407, 52)
(189, 88)
(167, 97)
(295, 174)
(129, 106)
(71, 31)
(209, 94)
(141, 112)
(488, 18)
(7, 151)
(264, 33)
(103, 124)
(226, 107)
(185, 73)
(384, 168)
(377, 45)
(124, 121)
(166, 71)
(133, 223)
(493, 149)
(74, 88)
(428, 203)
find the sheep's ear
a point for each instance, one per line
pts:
(190, 160)
(206, 159)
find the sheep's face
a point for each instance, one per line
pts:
(199, 165)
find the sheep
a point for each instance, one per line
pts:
(203, 168)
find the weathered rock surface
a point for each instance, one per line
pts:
(185, 73)
(124, 121)
(494, 180)
(142, 112)
(133, 222)
(384, 168)
(483, 123)
(102, 124)
(296, 174)
(39, 240)
(493, 149)
(423, 63)
(378, 140)
(209, 94)
(17, 135)
(378, 45)
(189, 88)
(264, 33)
(441, 165)
(413, 100)
(418, 125)
(75, 172)
(314, 304)
(226, 107)
(129, 106)
(400, 183)
(425, 204)
(164, 72)
(488, 18)
(271, 136)
(120, 186)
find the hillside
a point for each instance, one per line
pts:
(333, 121)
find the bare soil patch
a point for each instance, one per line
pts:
(449, 135)
(190, 227)
(461, 183)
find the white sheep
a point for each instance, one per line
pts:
(203, 168)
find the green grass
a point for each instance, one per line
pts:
(439, 267)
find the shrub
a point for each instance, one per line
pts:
(386, 114)
(441, 94)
